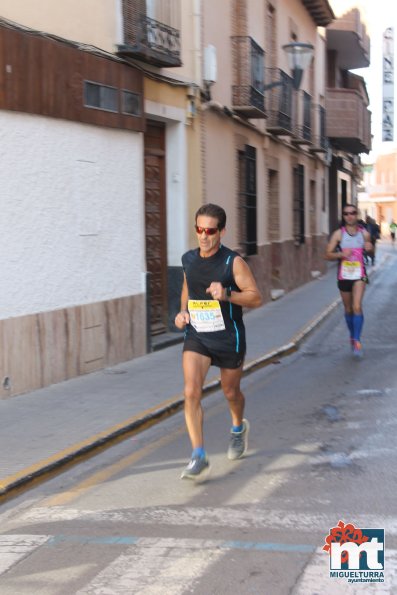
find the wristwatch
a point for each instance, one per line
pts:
(228, 293)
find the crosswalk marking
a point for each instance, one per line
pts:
(153, 566)
(14, 548)
(157, 566)
(233, 517)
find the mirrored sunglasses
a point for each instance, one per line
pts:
(209, 231)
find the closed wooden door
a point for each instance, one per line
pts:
(155, 221)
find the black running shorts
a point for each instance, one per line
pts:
(347, 284)
(222, 359)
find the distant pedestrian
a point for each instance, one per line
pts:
(347, 245)
(393, 230)
(217, 285)
(374, 232)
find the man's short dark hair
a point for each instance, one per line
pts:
(211, 210)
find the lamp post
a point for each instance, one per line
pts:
(299, 58)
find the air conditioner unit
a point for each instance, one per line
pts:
(210, 64)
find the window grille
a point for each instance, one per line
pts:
(299, 204)
(247, 200)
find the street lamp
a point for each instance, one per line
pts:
(299, 58)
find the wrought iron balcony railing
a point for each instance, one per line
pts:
(248, 77)
(153, 42)
(303, 119)
(279, 103)
(320, 142)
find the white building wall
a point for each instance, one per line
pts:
(72, 220)
(176, 168)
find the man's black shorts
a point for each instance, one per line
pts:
(347, 285)
(222, 359)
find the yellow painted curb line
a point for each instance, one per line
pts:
(135, 423)
(146, 418)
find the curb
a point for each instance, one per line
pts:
(142, 421)
(145, 419)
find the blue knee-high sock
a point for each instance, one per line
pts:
(358, 321)
(349, 322)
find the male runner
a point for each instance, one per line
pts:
(217, 285)
(347, 245)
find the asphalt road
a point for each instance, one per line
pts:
(322, 449)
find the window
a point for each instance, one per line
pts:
(257, 67)
(322, 127)
(167, 12)
(247, 200)
(101, 97)
(313, 207)
(299, 204)
(285, 102)
(274, 206)
(307, 111)
(131, 103)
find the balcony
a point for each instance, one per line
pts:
(347, 36)
(303, 119)
(248, 77)
(348, 120)
(320, 11)
(279, 104)
(151, 33)
(320, 142)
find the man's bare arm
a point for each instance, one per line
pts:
(249, 295)
(183, 318)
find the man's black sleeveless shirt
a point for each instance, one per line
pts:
(200, 273)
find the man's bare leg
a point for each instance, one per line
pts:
(230, 379)
(195, 369)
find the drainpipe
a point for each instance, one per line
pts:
(197, 41)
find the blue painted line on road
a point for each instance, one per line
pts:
(131, 540)
(95, 540)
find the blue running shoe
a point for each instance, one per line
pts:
(238, 442)
(198, 467)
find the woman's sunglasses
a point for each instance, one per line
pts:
(209, 231)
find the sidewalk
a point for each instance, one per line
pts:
(42, 430)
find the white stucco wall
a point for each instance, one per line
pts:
(72, 219)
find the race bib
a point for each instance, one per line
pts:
(206, 315)
(351, 270)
